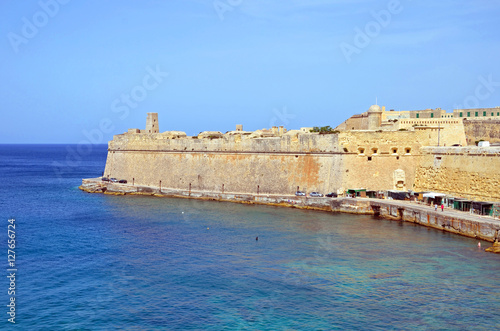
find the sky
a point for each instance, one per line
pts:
(82, 71)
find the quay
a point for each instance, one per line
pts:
(450, 220)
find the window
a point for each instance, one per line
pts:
(484, 113)
(369, 158)
(394, 150)
(476, 114)
(418, 115)
(492, 114)
(468, 114)
(361, 150)
(461, 114)
(374, 151)
(407, 150)
(432, 115)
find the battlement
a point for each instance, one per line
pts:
(294, 142)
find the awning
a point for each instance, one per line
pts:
(398, 195)
(433, 195)
(479, 204)
(356, 190)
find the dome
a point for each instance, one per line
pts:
(374, 109)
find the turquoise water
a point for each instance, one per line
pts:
(99, 262)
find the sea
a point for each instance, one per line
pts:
(102, 262)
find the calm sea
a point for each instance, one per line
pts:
(100, 262)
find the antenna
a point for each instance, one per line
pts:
(376, 101)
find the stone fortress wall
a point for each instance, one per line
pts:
(231, 163)
(274, 165)
(380, 160)
(471, 172)
(278, 162)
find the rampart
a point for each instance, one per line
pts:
(273, 165)
(375, 160)
(470, 172)
(232, 163)
(381, 160)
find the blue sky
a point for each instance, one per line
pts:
(85, 70)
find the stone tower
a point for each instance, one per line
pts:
(152, 123)
(374, 117)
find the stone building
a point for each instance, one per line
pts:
(152, 123)
(477, 113)
(448, 128)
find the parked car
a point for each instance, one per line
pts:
(332, 195)
(123, 181)
(105, 179)
(300, 194)
(315, 194)
(114, 180)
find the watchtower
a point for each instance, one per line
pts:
(374, 117)
(152, 123)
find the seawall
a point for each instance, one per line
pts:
(451, 221)
(271, 165)
(278, 165)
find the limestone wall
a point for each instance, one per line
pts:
(381, 160)
(227, 172)
(384, 142)
(277, 165)
(310, 162)
(486, 129)
(356, 122)
(229, 164)
(288, 143)
(450, 131)
(470, 172)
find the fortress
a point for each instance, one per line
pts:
(425, 150)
